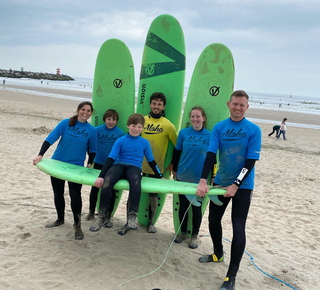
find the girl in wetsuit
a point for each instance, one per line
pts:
(188, 158)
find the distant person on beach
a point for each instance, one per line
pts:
(107, 135)
(4, 82)
(283, 129)
(188, 158)
(238, 142)
(276, 129)
(125, 161)
(76, 136)
(158, 130)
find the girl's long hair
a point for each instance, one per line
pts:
(73, 119)
(203, 113)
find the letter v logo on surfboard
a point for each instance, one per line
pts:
(178, 62)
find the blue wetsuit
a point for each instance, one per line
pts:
(126, 161)
(194, 145)
(237, 142)
(72, 148)
(106, 139)
(74, 141)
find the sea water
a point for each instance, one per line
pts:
(267, 101)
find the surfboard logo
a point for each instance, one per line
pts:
(150, 70)
(157, 44)
(117, 83)
(214, 91)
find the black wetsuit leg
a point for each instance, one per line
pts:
(58, 191)
(94, 191)
(184, 203)
(240, 208)
(196, 215)
(115, 173)
(133, 175)
(151, 176)
(196, 219)
(76, 200)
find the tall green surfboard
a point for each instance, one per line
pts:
(210, 87)
(113, 87)
(162, 70)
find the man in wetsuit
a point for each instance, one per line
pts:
(158, 130)
(239, 143)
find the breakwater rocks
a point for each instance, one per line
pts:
(33, 75)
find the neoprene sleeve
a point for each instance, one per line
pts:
(91, 157)
(45, 146)
(109, 162)
(175, 159)
(245, 171)
(155, 169)
(208, 164)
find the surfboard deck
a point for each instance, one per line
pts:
(113, 86)
(87, 176)
(210, 87)
(162, 70)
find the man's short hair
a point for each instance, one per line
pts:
(239, 93)
(160, 96)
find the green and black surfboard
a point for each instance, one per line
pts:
(113, 88)
(210, 87)
(162, 70)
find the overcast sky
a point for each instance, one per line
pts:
(275, 43)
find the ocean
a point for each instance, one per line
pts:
(267, 101)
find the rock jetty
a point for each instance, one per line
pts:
(33, 75)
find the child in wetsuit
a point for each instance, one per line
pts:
(107, 134)
(125, 161)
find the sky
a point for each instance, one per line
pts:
(275, 43)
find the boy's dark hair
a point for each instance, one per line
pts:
(111, 113)
(239, 93)
(135, 119)
(160, 96)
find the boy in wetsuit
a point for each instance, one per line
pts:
(107, 135)
(124, 161)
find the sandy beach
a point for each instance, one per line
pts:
(283, 233)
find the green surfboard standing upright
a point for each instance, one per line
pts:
(113, 87)
(162, 70)
(210, 87)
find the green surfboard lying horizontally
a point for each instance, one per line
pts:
(113, 88)
(211, 87)
(88, 176)
(162, 70)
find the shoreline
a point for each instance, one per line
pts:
(257, 115)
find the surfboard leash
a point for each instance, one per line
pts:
(166, 255)
(251, 258)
